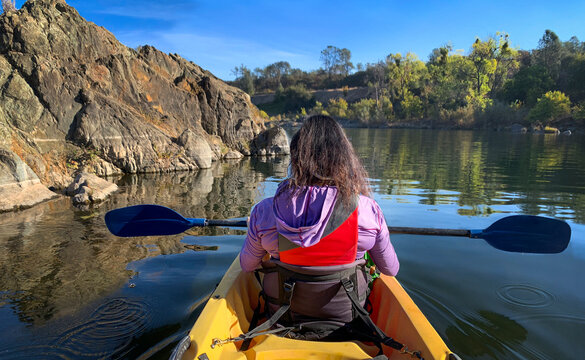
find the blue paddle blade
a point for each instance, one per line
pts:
(528, 234)
(148, 220)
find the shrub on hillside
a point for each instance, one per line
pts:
(551, 106)
(337, 108)
(363, 110)
(500, 114)
(318, 109)
(578, 112)
(370, 112)
(384, 110)
(412, 106)
(294, 98)
(462, 116)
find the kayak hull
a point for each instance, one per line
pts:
(229, 310)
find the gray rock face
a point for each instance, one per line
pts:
(67, 85)
(273, 141)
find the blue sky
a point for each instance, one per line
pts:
(219, 35)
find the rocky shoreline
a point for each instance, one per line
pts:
(558, 129)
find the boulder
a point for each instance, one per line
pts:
(273, 141)
(233, 154)
(88, 188)
(196, 148)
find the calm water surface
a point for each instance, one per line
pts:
(70, 290)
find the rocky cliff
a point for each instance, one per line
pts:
(72, 97)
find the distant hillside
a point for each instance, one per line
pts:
(323, 96)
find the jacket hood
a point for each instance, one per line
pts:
(302, 217)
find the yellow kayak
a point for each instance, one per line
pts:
(229, 311)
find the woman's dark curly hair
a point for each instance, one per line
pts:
(321, 155)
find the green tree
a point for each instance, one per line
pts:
(482, 56)
(440, 55)
(551, 106)
(405, 74)
(345, 61)
(318, 109)
(572, 77)
(451, 81)
(244, 79)
(336, 61)
(384, 110)
(493, 59)
(549, 53)
(377, 79)
(506, 63)
(274, 73)
(372, 112)
(574, 46)
(527, 85)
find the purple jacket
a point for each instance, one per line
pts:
(303, 221)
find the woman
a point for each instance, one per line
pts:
(321, 219)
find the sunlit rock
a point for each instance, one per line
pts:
(273, 141)
(19, 185)
(89, 188)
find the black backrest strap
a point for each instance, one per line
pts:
(262, 328)
(363, 314)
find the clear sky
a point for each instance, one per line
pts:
(219, 35)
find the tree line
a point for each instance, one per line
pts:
(493, 84)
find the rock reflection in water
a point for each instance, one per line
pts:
(55, 259)
(51, 261)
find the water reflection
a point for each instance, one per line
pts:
(477, 171)
(66, 283)
(54, 259)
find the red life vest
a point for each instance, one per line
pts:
(337, 248)
(316, 272)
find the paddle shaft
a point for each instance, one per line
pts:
(392, 229)
(235, 223)
(427, 231)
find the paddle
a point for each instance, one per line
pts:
(516, 233)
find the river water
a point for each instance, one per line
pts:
(69, 289)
